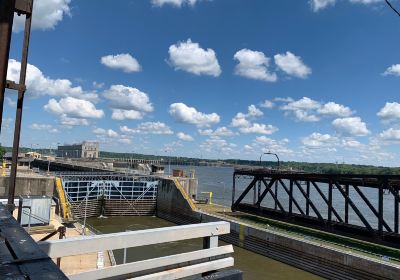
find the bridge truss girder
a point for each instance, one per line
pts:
(298, 198)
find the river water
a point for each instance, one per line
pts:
(254, 266)
(219, 181)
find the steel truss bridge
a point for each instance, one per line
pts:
(361, 206)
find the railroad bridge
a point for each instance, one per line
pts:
(360, 206)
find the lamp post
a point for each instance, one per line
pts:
(269, 153)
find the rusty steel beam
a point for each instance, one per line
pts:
(310, 201)
(371, 207)
(308, 195)
(325, 199)
(23, 7)
(20, 103)
(249, 187)
(14, 86)
(291, 194)
(346, 203)
(358, 212)
(6, 22)
(396, 195)
(275, 198)
(267, 188)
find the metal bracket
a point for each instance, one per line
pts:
(23, 7)
(15, 86)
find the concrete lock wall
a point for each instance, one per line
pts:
(321, 260)
(28, 186)
(173, 204)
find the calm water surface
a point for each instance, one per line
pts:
(253, 265)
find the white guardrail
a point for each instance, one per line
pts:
(177, 266)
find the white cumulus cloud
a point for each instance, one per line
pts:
(243, 120)
(353, 126)
(73, 111)
(128, 98)
(292, 65)
(148, 128)
(309, 110)
(318, 140)
(220, 132)
(185, 114)
(176, 3)
(267, 104)
(48, 127)
(303, 109)
(317, 5)
(390, 112)
(124, 62)
(390, 134)
(184, 137)
(253, 65)
(190, 57)
(217, 145)
(334, 109)
(119, 115)
(105, 132)
(393, 70)
(46, 14)
(258, 129)
(38, 84)
(266, 144)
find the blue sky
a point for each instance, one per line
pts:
(310, 80)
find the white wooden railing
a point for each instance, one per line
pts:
(177, 266)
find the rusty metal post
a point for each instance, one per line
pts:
(330, 203)
(291, 198)
(62, 231)
(6, 22)
(233, 189)
(20, 103)
(382, 185)
(308, 195)
(346, 205)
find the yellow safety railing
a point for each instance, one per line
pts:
(210, 195)
(185, 195)
(65, 207)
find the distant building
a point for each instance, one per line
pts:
(33, 155)
(87, 149)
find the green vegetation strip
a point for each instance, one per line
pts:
(367, 248)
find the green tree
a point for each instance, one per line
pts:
(2, 152)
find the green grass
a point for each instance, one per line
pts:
(363, 247)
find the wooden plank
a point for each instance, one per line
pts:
(160, 263)
(82, 245)
(26, 255)
(188, 270)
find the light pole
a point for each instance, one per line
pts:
(269, 153)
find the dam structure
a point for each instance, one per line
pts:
(108, 194)
(336, 251)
